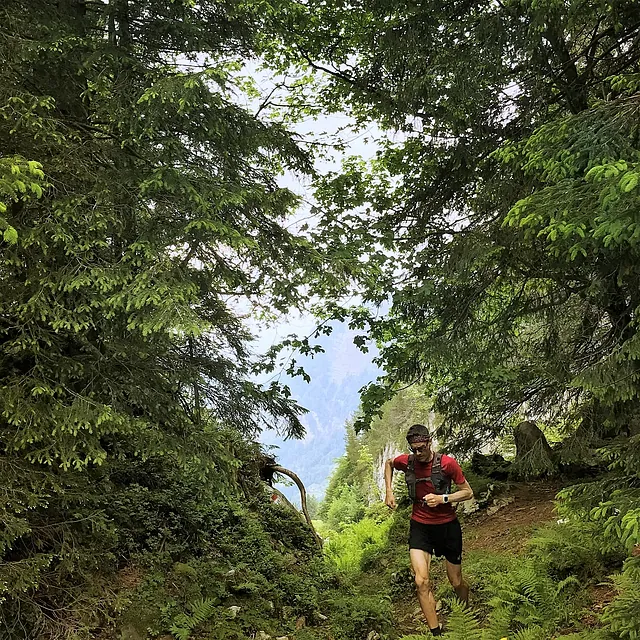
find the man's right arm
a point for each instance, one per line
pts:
(389, 498)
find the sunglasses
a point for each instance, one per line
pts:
(421, 448)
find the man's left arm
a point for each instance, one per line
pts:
(464, 492)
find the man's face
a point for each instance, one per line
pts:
(422, 450)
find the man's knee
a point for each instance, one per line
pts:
(454, 573)
(456, 581)
(422, 582)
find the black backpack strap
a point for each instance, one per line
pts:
(436, 465)
(440, 482)
(411, 480)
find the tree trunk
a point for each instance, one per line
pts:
(534, 456)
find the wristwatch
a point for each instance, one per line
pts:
(445, 498)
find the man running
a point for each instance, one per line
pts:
(434, 526)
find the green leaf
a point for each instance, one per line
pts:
(10, 235)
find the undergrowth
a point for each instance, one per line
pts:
(541, 594)
(261, 572)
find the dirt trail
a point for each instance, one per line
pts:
(507, 530)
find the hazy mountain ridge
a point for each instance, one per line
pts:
(332, 397)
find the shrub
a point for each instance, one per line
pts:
(518, 595)
(354, 616)
(347, 507)
(575, 548)
(622, 616)
(260, 557)
(531, 597)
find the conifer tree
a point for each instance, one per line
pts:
(139, 208)
(497, 227)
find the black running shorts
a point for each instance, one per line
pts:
(438, 539)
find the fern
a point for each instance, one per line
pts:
(180, 633)
(622, 616)
(498, 625)
(201, 610)
(463, 624)
(525, 604)
(571, 580)
(531, 633)
(527, 596)
(576, 547)
(347, 550)
(588, 634)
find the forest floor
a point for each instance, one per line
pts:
(510, 527)
(505, 531)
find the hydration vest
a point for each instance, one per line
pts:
(440, 482)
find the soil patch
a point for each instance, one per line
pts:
(508, 529)
(601, 595)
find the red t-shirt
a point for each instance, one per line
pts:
(421, 512)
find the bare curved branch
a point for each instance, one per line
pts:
(303, 498)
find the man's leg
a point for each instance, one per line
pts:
(454, 573)
(421, 563)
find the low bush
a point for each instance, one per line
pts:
(518, 596)
(259, 571)
(622, 617)
(575, 548)
(354, 616)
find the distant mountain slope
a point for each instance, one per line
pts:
(331, 397)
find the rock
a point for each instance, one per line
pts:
(261, 635)
(282, 638)
(468, 506)
(230, 573)
(498, 504)
(300, 623)
(233, 611)
(373, 635)
(534, 456)
(527, 435)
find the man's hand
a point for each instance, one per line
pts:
(390, 500)
(433, 500)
